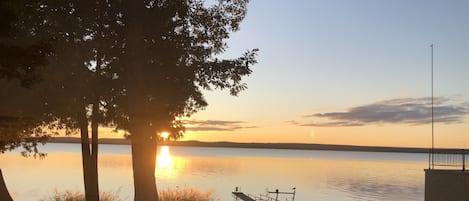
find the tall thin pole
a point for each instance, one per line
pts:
(433, 122)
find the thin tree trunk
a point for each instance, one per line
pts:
(4, 194)
(93, 192)
(85, 147)
(89, 176)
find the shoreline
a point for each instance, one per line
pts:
(292, 146)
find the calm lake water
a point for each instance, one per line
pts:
(317, 175)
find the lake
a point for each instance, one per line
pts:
(317, 175)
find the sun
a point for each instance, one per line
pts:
(164, 135)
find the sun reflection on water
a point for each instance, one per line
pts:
(168, 166)
(164, 159)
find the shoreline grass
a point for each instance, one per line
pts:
(186, 194)
(177, 194)
(76, 195)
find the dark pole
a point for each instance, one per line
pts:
(463, 160)
(433, 122)
(276, 197)
(294, 192)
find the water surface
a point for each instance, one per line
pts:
(317, 175)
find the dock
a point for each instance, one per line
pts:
(242, 196)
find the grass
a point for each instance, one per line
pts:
(76, 195)
(185, 194)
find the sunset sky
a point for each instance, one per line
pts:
(347, 72)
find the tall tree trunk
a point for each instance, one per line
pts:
(143, 162)
(4, 194)
(89, 171)
(142, 136)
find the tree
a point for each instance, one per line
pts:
(170, 56)
(80, 73)
(4, 194)
(85, 35)
(144, 78)
(19, 60)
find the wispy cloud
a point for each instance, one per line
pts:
(216, 125)
(411, 111)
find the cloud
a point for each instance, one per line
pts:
(323, 124)
(411, 111)
(215, 125)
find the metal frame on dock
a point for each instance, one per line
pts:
(240, 196)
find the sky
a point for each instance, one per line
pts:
(347, 72)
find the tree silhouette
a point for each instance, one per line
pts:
(137, 66)
(19, 61)
(77, 83)
(170, 56)
(82, 71)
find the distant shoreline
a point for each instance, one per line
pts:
(294, 146)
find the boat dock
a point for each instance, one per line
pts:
(240, 196)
